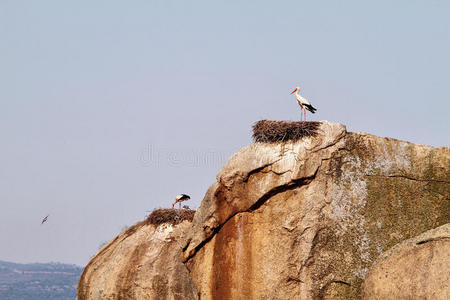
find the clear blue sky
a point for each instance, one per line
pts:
(109, 109)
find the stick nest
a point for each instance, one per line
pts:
(172, 216)
(282, 131)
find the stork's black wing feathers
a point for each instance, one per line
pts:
(310, 108)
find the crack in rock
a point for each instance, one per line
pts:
(263, 199)
(433, 240)
(409, 178)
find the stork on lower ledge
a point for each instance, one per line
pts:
(180, 198)
(304, 104)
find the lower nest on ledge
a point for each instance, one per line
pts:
(282, 131)
(172, 216)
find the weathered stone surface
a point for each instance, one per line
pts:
(306, 220)
(143, 262)
(418, 268)
(294, 220)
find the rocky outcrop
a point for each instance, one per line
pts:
(418, 268)
(290, 220)
(142, 262)
(305, 220)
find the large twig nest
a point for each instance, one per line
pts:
(281, 131)
(172, 216)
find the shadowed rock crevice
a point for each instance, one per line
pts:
(433, 240)
(279, 189)
(260, 169)
(341, 282)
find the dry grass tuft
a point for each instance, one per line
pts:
(282, 131)
(169, 215)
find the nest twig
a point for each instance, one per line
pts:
(282, 131)
(172, 216)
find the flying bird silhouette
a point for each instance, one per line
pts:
(44, 219)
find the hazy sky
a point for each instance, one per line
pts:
(108, 109)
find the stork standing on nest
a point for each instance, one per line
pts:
(180, 198)
(304, 104)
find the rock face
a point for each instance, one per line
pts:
(143, 262)
(292, 220)
(418, 268)
(306, 220)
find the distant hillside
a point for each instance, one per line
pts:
(38, 281)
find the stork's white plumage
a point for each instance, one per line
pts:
(180, 198)
(304, 103)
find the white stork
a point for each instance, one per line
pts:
(180, 198)
(304, 103)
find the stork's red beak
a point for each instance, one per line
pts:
(293, 91)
